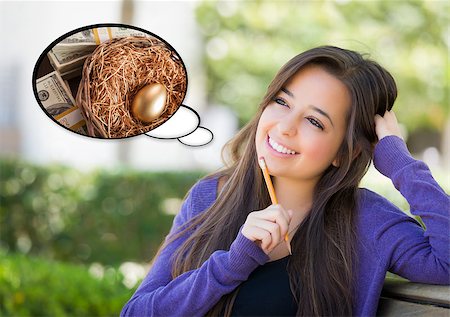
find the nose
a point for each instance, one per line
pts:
(288, 125)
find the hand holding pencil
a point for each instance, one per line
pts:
(268, 227)
(273, 197)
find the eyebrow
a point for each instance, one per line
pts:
(286, 91)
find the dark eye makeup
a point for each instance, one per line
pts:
(280, 101)
(313, 121)
(316, 123)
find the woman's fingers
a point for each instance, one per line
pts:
(387, 125)
(267, 227)
(277, 214)
(272, 228)
(262, 237)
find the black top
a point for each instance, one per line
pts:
(266, 292)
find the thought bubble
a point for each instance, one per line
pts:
(114, 81)
(184, 126)
(182, 123)
(199, 137)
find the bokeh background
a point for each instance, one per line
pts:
(80, 218)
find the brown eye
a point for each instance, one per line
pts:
(316, 123)
(281, 101)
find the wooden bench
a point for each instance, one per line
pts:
(401, 297)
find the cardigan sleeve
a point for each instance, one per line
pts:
(419, 255)
(195, 292)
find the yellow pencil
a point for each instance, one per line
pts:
(262, 164)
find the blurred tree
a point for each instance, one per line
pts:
(247, 42)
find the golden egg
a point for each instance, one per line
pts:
(149, 103)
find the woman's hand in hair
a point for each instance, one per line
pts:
(267, 227)
(387, 125)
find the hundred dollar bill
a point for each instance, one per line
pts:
(81, 43)
(117, 32)
(67, 63)
(95, 34)
(85, 42)
(72, 51)
(63, 51)
(72, 119)
(58, 102)
(53, 93)
(80, 37)
(100, 35)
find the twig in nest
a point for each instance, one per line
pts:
(113, 75)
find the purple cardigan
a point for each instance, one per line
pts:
(389, 240)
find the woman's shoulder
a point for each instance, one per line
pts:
(370, 201)
(211, 183)
(203, 193)
(375, 210)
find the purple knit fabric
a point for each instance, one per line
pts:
(388, 240)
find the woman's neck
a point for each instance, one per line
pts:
(294, 194)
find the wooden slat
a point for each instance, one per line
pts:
(396, 308)
(417, 292)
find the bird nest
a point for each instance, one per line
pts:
(113, 75)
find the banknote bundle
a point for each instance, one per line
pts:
(67, 59)
(58, 102)
(68, 56)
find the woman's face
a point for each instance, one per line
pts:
(302, 128)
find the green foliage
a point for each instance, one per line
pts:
(102, 216)
(248, 41)
(38, 287)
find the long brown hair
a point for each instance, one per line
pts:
(322, 279)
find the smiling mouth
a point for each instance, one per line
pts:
(280, 148)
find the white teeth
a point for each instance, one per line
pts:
(280, 148)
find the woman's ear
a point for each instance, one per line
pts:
(335, 163)
(356, 153)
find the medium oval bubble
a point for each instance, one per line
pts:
(182, 123)
(87, 81)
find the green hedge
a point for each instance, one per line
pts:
(39, 287)
(105, 216)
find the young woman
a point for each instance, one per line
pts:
(325, 115)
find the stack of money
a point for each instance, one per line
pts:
(58, 102)
(68, 56)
